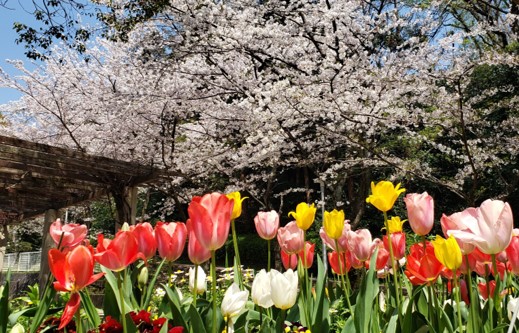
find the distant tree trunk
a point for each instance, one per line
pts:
(4, 236)
(125, 198)
(46, 244)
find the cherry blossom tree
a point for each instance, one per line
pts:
(274, 97)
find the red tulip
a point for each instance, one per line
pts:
(68, 235)
(171, 239)
(267, 224)
(291, 238)
(345, 265)
(118, 253)
(146, 238)
(489, 290)
(512, 252)
(196, 252)
(398, 244)
(307, 255)
(211, 219)
(420, 212)
(424, 269)
(289, 260)
(73, 271)
(483, 266)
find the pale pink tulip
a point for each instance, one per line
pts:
(211, 219)
(360, 243)
(460, 221)
(492, 231)
(420, 212)
(267, 224)
(291, 238)
(68, 235)
(342, 241)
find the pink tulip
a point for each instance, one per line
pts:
(289, 260)
(460, 221)
(196, 252)
(361, 244)
(342, 242)
(398, 244)
(492, 231)
(420, 212)
(267, 224)
(146, 238)
(211, 219)
(171, 239)
(291, 238)
(307, 255)
(68, 235)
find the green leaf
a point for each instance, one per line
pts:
(369, 289)
(197, 324)
(151, 286)
(90, 309)
(349, 327)
(44, 305)
(130, 325)
(4, 303)
(321, 316)
(176, 308)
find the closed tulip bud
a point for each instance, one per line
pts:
(237, 199)
(448, 252)
(333, 223)
(420, 211)
(384, 194)
(267, 224)
(304, 215)
(142, 279)
(125, 227)
(201, 283)
(283, 288)
(18, 328)
(234, 301)
(261, 291)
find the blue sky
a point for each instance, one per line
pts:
(9, 49)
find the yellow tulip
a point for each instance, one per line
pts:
(448, 252)
(384, 194)
(333, 223)
(304, 215)
(236, 210)
(395, 224)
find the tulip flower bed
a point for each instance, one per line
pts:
(465, 282)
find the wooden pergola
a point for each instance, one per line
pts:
(37, 179)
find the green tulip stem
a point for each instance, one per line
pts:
(472, 308)
(458, 301)
(195, 286)
(120, 284)
(268, 255)
(345, 286)
(395, 272)
(237, 255)
(79, 328)
(431, 305)
(497, 290)
(213, 288)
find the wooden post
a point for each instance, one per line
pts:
(46, 244)
(4, 236)
(125, 198)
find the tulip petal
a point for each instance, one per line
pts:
(70, 310)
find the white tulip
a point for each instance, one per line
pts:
(512, 306)
(283, 288)
(261, 291)
(201, 285)
(234, 301)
